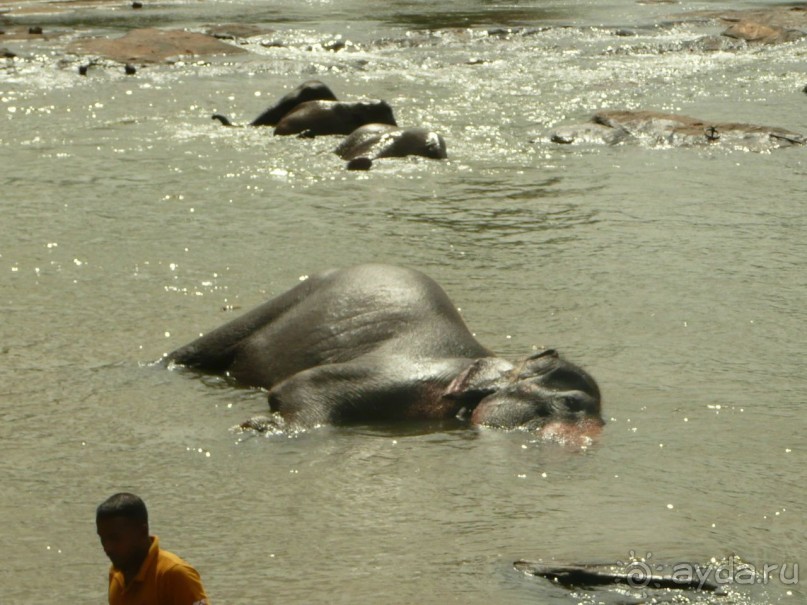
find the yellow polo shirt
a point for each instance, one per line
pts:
(163, 579)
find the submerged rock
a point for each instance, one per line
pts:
(25, 32)
(237, 31)
(591, 133)
(153, 46)
(654, 128)
(633, 575)
(715, 44)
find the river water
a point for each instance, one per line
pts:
(131, 221)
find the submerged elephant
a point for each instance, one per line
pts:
(316, 118)
(384, 343)
(373, 141)
(310, 90)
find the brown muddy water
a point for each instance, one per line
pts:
(677, 277)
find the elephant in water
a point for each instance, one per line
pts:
(382, 343)
(310, 90)
(312, 110)
(373, 141)
(316, 118)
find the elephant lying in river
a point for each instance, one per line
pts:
(373, 141)
(317, 118)
(312, 109)
(310, 90)
(384, 343)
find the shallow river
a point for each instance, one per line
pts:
(130, 221)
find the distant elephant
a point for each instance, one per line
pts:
(373, 141)
(311, 90)
(382, 343)
(316, 118)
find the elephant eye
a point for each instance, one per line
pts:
(577, 402)
(572, 404)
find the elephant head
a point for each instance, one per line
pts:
(542, 392)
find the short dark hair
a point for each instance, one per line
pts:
(124, 505)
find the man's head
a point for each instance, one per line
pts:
(123, 526)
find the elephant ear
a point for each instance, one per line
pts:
(482, 377)
(538, 363)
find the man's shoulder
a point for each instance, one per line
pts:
(169, 559)
(168, 562)
(177, 577)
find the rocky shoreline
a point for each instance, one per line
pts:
(772, 25)
(144, 46)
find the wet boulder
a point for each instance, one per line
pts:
(769, 25)
(153, 46)
(653, 128)
(778, 16)
(758, 33)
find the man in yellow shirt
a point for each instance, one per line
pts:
(141, 572)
